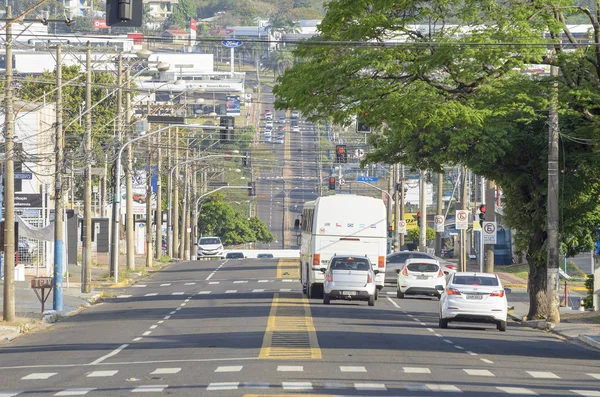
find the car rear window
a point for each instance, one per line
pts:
(350, 264)
(423, 267)
(475, 280)
(210, 240)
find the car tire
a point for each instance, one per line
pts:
(326, 299)
(443, 323)
(314, 292)
(372, 300)
(399, 294)
(501, 325)
(376, 293)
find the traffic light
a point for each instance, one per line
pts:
(245, 159)
(227, 123)
(124, 13)
(252, 188)
(390, 230)
(419, 219)
(341, 156)
(481, 214)
(331, 183)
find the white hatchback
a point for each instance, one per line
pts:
(474, 297)
(420, 276)
(349, 278)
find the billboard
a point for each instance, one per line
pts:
(233, 105)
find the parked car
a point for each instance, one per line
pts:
(295, 114)
(447, 253)
(396, 261)
(264, 256)
(349, 278)
(234, 255)
(210, 247)
(474, 297)
(420, 277)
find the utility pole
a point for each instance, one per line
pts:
(439, 212)
(86, 268)
(149, 203)
(423, 209)
(114, 245)
(158, 253)
(8, 305)
(390, 206)
(58, 190)
(490, 216)
(552, 203)
(397, 216)
(462, 263)
(175, 201)
(184, 211)
(129, 222)
(169, 193)
(188, 214)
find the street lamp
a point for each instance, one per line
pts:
(389, 198)
(116, 208)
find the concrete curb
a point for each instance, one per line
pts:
(589, 341)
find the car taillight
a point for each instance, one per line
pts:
(440, 273)
(499, 293)
(369, 278)
(452, 291)
(405, 272)
(381, 262)
(330, 277)
(317, 260)
(453, 267)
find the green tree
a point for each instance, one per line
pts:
(260, 230)
(182, 13)
(450, 96)
(413, 234)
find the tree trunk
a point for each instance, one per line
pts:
(537, 280)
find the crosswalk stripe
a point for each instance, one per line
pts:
(517, 390)
(223, 386)
(189, 284)
(258, 290)
(296, 385)
(445, 388)
(149, 389)
(165, 284)
(124, 296)
(178, 293)
(416, 370)
(151, 294)
(204, 292)
(370, 386)
(595, 376)
(38, 375)
(241, 282)
(10, 393)
(140, 286)
(478, 372)
(231, 291)
(101, 374)
(543, 375)
(587, 393)
(290, 368)
(353, 369)
(235, 368)
(75, 392)
(165, 371)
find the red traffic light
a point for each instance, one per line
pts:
(331, 180)
(482, 208)
(341, 149)
(390, 228)
(418, 214)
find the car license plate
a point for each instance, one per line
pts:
(348, 293)
(422, 277)
(476, 297)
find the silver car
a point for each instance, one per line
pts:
(349, 278)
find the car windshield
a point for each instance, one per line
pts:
(423, 267)
(350, 264)
(475, 280)
(210, 240)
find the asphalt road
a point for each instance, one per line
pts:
(243, 328)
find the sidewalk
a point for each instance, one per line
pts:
(28, 308)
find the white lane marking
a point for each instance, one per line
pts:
(416, 387)
(429, 329)
(146, 333)
(444, 388)
(139, 286)
(256, 385)
(423, 324)
(390, 293)
(470, 353)
(187, 300)
(335, 386)
(392, 302)
(417, 370)
(38, 375)
(285, 290)
(517, 390)
(75, 392)
(595, 376)
(290, 368)
(231, 291)
(459, 347)
(478, 372)
(124, 296)
(101, 374)
(153, 326)
(166, 317)
(214, 282)
(438, 335)
(165, 371)
(173, 312)
(448, 341)
(416, 319)
(287, 280)
(165, 284)
(204, 292)
(139, 338)
(587, 393)
(10, 393)
(210, 276)
(223, 386)
(160, 321)
(263, 281)
(296, 385)
(370, 386)
(258, 290)
(111, 354)
(543, 375)
(178, 309)
(241, 282)
(151, 294)
(353, 369)
(485, 360)
(234, 368)
(189, 284)
(183, 304)
(178, 293)
(409, 315)
(149, 389)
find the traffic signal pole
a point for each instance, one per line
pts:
(490, 216)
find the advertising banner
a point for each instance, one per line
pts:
(233, 105)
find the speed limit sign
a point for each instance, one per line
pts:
(438, 221)
(462, 220)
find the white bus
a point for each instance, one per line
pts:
(341, 224)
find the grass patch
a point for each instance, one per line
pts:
(521, 271)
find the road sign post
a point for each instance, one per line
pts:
(401, 226)
(462, 220)
(489, 234)
(368, 179)
(438, 222)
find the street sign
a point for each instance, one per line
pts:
(462, 220)
(489, 232)
(166, 119)
(342, 181)
(232, 43)
(438, 222)
(23, 175)
(401, 226)
(368, 179)
(359, 153)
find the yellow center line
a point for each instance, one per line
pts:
(288, 268)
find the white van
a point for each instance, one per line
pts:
(341, 224)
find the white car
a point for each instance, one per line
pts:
(269, 124)
(474, 297)
(210, 247)
(295, 128)
(295, 114)
(350, 278)
(420, 277)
